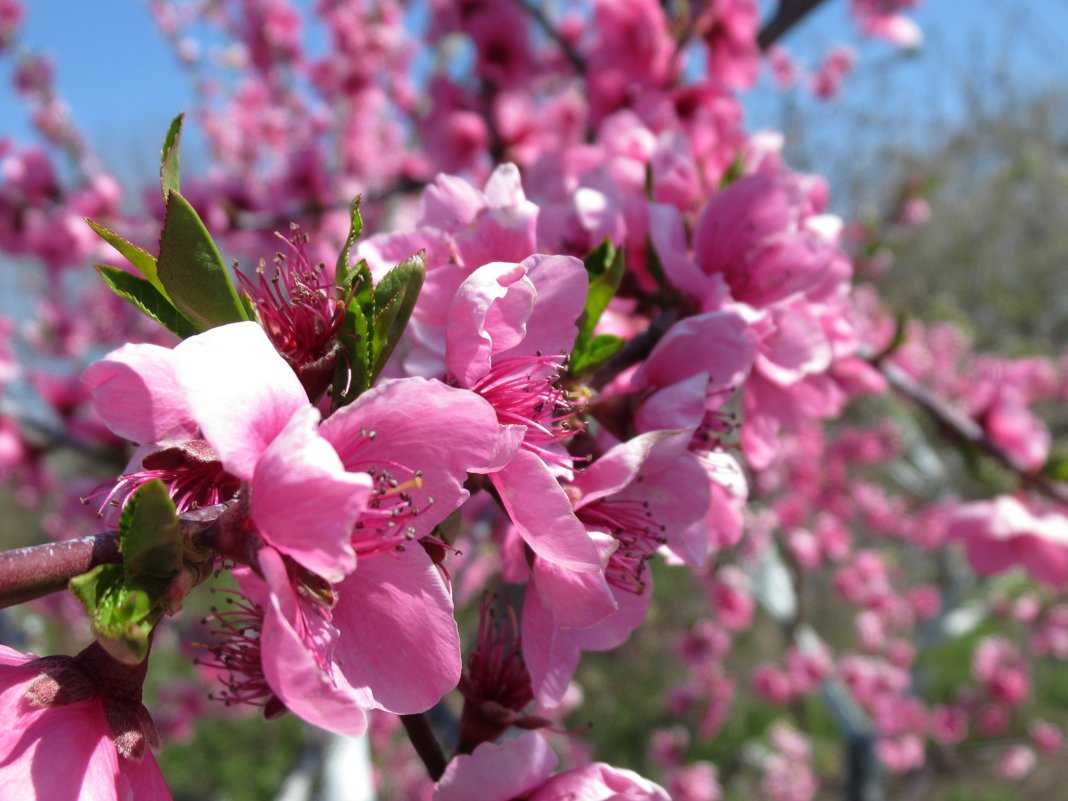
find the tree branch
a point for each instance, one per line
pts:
(787, 15)
(426, 744)
(965, 430)
(39, 570)
(538, 14)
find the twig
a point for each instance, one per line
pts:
(787, 15)
(426, 744)
(39, 570)
(965, 430)
(539, 16)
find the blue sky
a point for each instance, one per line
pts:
(123, 84)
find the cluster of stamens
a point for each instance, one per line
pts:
(386, 523)
(528, 390)
(300, 311)
(235, 651)
(495, 668)
(718, 429)
(191, 471)
(631, 524)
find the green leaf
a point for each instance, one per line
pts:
(600, 349)
(605, 266)
(395, 297)
(192, 271)
(143, 261)
(126, 601)
(121, 616)
(149, 534)
(343, 271)
(1056, 466)
(352, 375)
(146, 299)
(169, 158)
(735, 171)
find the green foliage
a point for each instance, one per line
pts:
(143, 261)
(356, 339)
(146, 298)
(605, 266)
(192, 270)
(236, 758)
(169, 158)
(126, 601)
(395, 297)
(343, 271)
(376, 315)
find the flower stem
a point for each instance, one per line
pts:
(426, 744)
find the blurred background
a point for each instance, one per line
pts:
(974, 124)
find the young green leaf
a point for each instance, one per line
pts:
(352, 374)
(169, 158)
(126, 601)
(149, 534)
(122, 616)
(605, 266)
(395, 297)
(343, 272)
(146, 299)
(597, 351)
(143, 261)
(192, 271)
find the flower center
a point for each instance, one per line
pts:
(386, 523)
(300, 312)
(191, 471)
(631, 524)
(236, 654)
(527, 390)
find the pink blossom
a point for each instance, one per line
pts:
(384, 637)
(71, 734)
(632, 502)
(828, 78)
(1017, 762)
(695, 782)
(231, 385)
(522, 768)
(1003, 533)
(730, 29)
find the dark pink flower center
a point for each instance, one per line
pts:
(236, 631)
(191, 471)
(299, 310)
(527, 390)
(397, 498)
(495, 669)
(632, 525)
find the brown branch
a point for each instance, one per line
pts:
(787, 15)
(426, 744)
(965, 430)
(538, 14)
(39, 570)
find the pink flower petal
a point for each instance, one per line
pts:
(241, 391)
(303, 501)
(136, 393)
(542, 513)
(498, 772)
(488, 315)
(423, 425)
(296, 659)
(400, 647)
